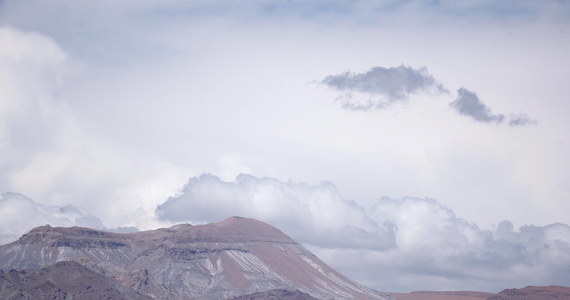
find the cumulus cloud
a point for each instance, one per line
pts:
(19, 214)
(432, 240)
(313, 214)
(416, 242)
(468, 104)
(383, 86)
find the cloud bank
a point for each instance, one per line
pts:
(19, 214)
(387, 85)
(414, 241)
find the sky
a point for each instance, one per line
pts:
(412, 145)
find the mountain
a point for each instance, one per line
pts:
(238, 257)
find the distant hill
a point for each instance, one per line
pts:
(528, 293)
(534, 293)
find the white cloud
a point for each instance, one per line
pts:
(412, 243)
(19, 214)
(56, 157)
(313, 214)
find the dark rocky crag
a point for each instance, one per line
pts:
(233, 258)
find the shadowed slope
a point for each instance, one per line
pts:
(63, 280)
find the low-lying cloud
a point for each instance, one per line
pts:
(383, 86)
(19, 214)
(415, 242)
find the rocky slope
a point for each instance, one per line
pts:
(64, 280)
(232, 258)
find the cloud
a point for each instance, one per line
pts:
(432, 242)
(55, 153)
(313, 214)
(468, 104)
(19, 214)
(380, 87)
(388, 85)
(522, 120)
(417, 242)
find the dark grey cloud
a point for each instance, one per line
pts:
(468, 104)
(384, 86)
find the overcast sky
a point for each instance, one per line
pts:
(413, 145)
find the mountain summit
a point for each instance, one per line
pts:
(234, 258)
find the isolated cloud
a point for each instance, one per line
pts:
(19, 214)
(522, 120)
(414, 241)
(385, 86)
(468, 104)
